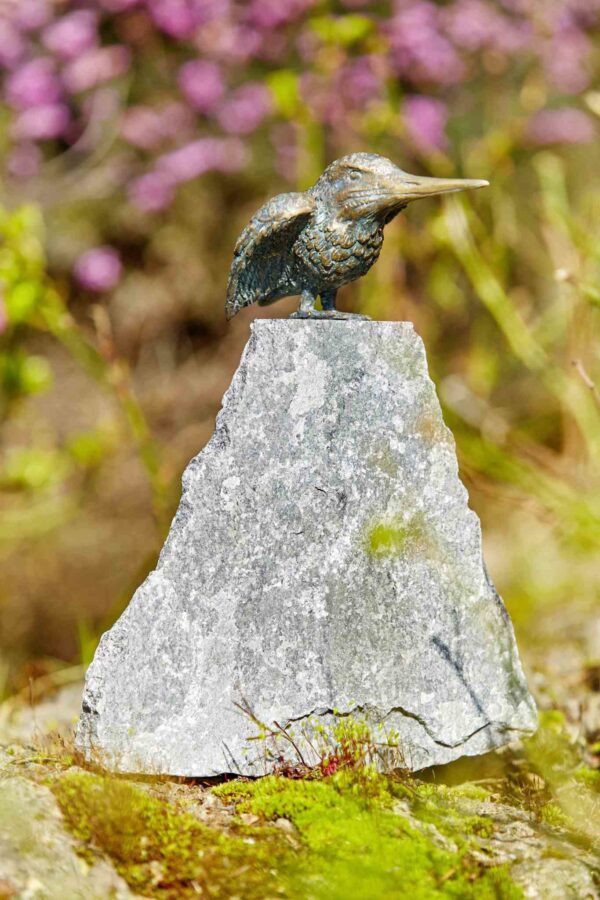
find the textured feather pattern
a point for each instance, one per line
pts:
(261, 271)
(334, 253)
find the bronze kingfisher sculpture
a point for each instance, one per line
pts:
(312, 243)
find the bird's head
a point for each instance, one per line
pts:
(368, 185)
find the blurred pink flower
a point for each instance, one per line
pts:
(585, 13)
(98, 269)
(229, 43)
(142, 126)
(147, 127)
(73, 34)
(201, 156)
(151, 192)
(177, 120)
(265, 14)
(245, 109)
(420, 52)
(470, 23)
(425, 119)
(95, 67)
(24, 161)
(476, 24)
(12, 44)
(177, 18)
(566, 61)
(29, 15)
(202, 84)
(360, 81)
(33, 84)
(41, 123)
(560, 126)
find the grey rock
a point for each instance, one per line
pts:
(555, 879)
(323, 562)
(38, 857)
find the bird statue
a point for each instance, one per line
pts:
(314, 242)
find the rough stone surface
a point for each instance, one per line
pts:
(38, 857)
(323, 561)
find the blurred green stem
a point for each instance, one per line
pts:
(575, 400)
(112, 376)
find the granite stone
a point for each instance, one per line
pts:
(323, 562)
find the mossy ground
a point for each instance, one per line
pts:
(344, 838)
(477, 829)
(161, 849)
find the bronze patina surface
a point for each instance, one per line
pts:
(314, 242)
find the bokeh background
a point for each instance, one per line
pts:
(139, 136)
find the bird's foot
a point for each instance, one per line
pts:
(326, 314)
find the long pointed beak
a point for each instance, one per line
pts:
(412, 187)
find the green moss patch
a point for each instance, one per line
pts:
(350, 837)
(398, 536)
(160, 850)
(358, 847)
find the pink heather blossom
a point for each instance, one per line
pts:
(560, 126)
(245, 109)
(148, 127)
(191, 160)
(470, 23)
(229, 43)
(360, 82)
(98, 269)
(30, 15)
(177, 18)
(142, 126)
(584, 13)
(475, 24)
(152, 192)
(95, 67)
(425, 119)
(24, 161)
(33, 84)
(73, 34)
(420, 52)
(202, 85)
(41, 123)
(266, 14)
(567, 60)
(12, 45)
(201, 156)
(177, 120)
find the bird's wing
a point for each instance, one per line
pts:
(262, 253)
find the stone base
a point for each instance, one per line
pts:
(323, 561)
